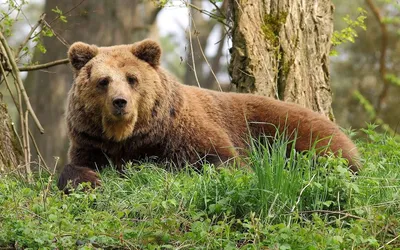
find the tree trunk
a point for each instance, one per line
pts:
(10, 149)
(99, 22)
(281, 49)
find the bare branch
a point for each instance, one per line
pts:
(215, 63)
(191, 49)
(44, 65)
(204, 56)
(17, 77)
(38, 151)
(207, 13)
(28, 149)
(60, 38)
(223, 7)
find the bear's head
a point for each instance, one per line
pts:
(118, 85)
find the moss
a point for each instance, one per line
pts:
(272, 25)
(286, 65)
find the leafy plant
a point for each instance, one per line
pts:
(282, 202)
(349, 34)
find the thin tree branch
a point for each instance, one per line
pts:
(14, 100)
(19, 81)
(191, 49)
(28, 150)
(215, 63)
(222, 9)
(28, 37)
(25, 141)
(382, 60)
(44, 65)
(38, 151)
(60, 38)
(30, 133)
(208, 64)
(58, 17)
(207, 13)
(67, 12)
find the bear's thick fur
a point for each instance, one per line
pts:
(124, 107)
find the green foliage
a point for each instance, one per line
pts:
(349, 34)
(60, 14)
(393, 79)
(272, 25)
(7, 20)
(297, 182)
(289, 202)
(369, 108)
(11, 16)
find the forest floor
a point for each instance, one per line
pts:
(281, 203)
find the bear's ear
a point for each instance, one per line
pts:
(148, 51)
(80, 53)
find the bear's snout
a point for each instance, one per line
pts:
(119, 104)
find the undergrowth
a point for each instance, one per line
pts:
(286, 200)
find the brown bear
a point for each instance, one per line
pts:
(123, 106)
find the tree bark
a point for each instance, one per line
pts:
(10, 149)
(281, 49)
(99, 22)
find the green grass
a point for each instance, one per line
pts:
(280, 203)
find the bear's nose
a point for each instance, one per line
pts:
(119, 103)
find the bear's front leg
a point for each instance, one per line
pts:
(85, 161)
(77, 175)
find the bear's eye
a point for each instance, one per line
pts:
(103, 82)
(131, 80)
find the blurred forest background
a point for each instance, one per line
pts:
(364, 65)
